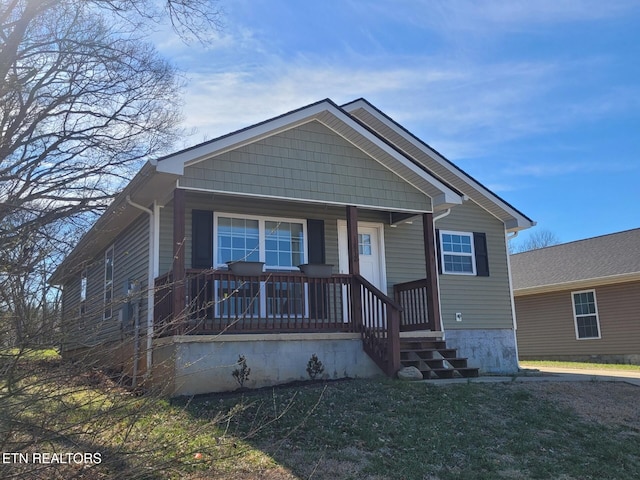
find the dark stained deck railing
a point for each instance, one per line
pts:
(221, 302)
(218, 302)
(412, 297)
(380, 325)
(163, 318)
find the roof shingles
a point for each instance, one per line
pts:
(594, 258)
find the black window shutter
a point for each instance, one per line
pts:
(318, 298)
(482, 257)
(315, 241)
(201, 239)
(438, 251)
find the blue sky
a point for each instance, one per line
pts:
(538, 100)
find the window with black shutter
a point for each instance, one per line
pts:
(462, 253)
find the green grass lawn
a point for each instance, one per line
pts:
(388, 429)
(581, 365)
(356, 429)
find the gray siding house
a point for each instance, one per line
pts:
(370, 250)
(580, 300)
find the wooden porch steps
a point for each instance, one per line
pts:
(434, 359)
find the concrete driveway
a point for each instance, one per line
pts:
(550, 374)
(604, 375)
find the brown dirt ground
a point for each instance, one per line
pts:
(611, 403)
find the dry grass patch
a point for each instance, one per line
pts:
(359, 429)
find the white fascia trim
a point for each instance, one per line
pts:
(519, 222)
(588, 283)
(303, 200)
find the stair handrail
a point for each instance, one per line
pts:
(389, 363)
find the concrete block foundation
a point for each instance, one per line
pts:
(492, 351)
(196, 364)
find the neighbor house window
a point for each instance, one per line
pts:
(108, 283)
(585, 312)
(457, 253)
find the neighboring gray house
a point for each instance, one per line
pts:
(580, 300)
(416, 250)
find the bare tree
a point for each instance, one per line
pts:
(537, 239)
(83, 100)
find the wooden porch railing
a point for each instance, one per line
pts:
(380, 325)
(218, 301)
(163, 318)
(221, 302)
(412, 297)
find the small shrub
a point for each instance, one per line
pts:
(242, 372)
(314, 367)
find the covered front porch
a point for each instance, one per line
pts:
(217, 301)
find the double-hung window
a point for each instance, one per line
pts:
(457, 253)
(108, 283)
(278, 242)
(238, 240)
(585, 313)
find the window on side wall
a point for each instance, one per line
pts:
(108, 283)
(585, 314)
(457, 253)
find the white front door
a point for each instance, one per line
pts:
(371, 252)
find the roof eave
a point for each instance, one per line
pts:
(143, 189)
(513, 219)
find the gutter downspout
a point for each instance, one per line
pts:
(435, 219)
(442, 215)
(150, 297)
(513, 298)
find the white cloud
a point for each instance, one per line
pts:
(460, 105)
(552, 169)
(460, 109)
(217, 102)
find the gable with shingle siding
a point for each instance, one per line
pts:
(308, 162)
